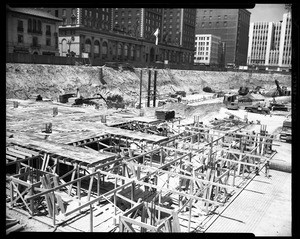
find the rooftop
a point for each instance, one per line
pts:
(33, 12)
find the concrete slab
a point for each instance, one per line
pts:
(263, 208)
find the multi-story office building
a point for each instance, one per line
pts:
(270, 44)
(119, 34)
(232, 25)
(31, 31)
(208, 49)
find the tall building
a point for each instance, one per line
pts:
(116, 34)
(138, 22)
(232, 25)
(270, 44)
(179, 26)
(91, 18)
(208, 49)
(31, 31)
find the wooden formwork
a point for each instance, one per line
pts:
(199, 167)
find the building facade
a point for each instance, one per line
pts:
(179, 27)
(119, 34)
(232, 25)
(270, 44)
(208, 49)
(31, 31)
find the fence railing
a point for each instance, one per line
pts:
(61, 60)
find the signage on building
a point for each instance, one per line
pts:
(85, 55)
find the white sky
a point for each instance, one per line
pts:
(267, 12)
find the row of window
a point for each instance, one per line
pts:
(201, 38)
(201, 58)
(210, 24)
(34, 26)
(35, 41)
(211, 17)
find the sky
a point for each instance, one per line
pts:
(267, 12)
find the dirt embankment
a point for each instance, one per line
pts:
(24, 81)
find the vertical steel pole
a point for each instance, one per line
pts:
(149, 88)
(141, 80)
(154, 88)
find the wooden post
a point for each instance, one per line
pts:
(91, 218)
(54, 208)
(132, 192)
(31, 200)
(115, 207)
(11, 193)
(78, 187)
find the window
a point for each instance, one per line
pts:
(48, 41)
(39, 26)
(56, 13)
(20, 39)
(34, 25)
(20, 26)
(225, 16)
(64, 12)
(73, 11)
(48, 30)
(225, 24)
(34, 41)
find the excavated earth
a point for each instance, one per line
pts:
(25, 81)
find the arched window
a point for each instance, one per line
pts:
(138, 53)
(104, 49)
(125, 50)
(87, 46)
(96, 47)
(132, 52)
(29, 25)
(119, 50)
(64, 47)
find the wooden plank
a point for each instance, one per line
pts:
(15, 154)
(19, 152)
(141, 224)
(26, 150)
(127, 225)
(175, 223)
(11, 157)
(59, 200)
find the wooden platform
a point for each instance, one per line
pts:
(75, 153)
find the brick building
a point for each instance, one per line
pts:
(31, 31)
(116, 34)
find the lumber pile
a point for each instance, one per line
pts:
(165, 115)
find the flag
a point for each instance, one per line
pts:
(156, 35)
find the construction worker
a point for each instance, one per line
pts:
(267, 166)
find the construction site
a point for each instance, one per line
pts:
(102, 149)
